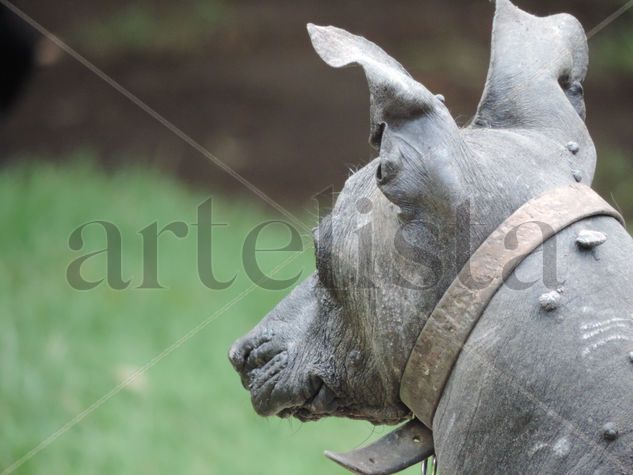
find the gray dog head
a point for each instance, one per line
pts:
(405, 224)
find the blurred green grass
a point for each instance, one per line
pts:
(62, 349)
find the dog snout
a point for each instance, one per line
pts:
(238, 354)
(254, 351)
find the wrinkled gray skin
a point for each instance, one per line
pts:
(532, 389)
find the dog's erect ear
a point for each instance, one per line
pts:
(534, 82)
(394, 94)
(531, 58)
(419, 142)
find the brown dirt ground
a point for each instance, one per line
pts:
(256, 95)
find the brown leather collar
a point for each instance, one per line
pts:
(451, 322)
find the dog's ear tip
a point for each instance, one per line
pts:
(330, 43)
(504, 6)
(395, 95)
(312, 29)
(507, 12)
(322, 33)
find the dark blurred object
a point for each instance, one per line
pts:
(17, 57)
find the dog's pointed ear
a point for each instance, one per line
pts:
(537, 67)
(394, 94)
(420, 144)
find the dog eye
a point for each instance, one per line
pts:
(576, 89)
(571, 88)
(376, 137)
(379, 173)
(386, 171)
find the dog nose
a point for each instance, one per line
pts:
(237, 355)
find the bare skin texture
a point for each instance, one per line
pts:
(547, 390)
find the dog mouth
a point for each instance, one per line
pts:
(266, 385)
(268, 371)
(275, 391)
(323, 402)
(376, 416)
(315, 400)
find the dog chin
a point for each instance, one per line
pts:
(312, 401)
(274, 392)
(376, 416)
